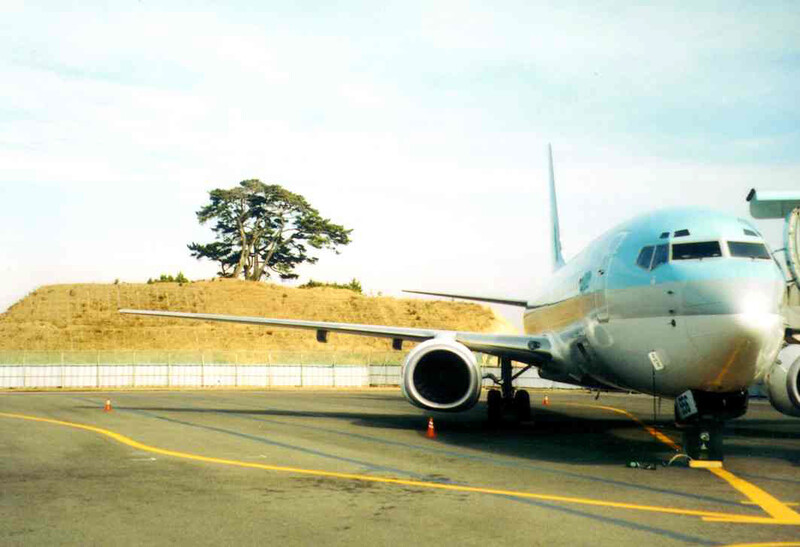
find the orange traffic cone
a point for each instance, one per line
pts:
(431, 433)
(546, 401)
(107, 407)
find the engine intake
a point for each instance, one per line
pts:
(441, 374)
(783, 382)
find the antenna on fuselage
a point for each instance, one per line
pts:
(555, 232)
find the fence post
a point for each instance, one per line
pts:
(169, 371)
(202, 369)
(236, 370)
(63, 370)
(97, 369)
(24, 368)
(269, 369)
(133, 362)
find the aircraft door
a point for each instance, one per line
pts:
(600, 302)
(603, 274)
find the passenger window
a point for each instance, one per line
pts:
(689, 251)
(749, 250)
(645, 257)
(661, 256)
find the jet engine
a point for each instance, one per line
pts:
(441, 374)
(783, 382)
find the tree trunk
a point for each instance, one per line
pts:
(257, 265)
(276, 241)
(243, 255)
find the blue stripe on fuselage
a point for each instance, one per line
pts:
(703, 225)
(628, 275)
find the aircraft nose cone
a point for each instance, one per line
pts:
(732, 297)
(735, 328)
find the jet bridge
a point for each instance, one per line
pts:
(785, 205)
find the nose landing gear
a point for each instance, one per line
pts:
(701, 416)
(703, 441)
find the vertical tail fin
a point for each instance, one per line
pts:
(555, 232)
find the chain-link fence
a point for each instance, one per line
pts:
(178, 357)
(120, 369)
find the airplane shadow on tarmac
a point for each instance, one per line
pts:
(551, 436)
(751, 438)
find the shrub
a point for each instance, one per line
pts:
(164, 278)
(354, 285)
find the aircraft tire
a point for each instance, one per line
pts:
(494, 407)
(522, 405)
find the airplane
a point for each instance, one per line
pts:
(684, 303)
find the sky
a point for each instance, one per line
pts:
(422, 126)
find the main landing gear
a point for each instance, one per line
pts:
(701, 416)
(507, 398)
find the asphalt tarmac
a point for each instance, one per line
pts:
(298, 467)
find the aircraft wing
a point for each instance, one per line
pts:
(523, 348)
(490, 299)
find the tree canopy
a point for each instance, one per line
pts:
(262, 229)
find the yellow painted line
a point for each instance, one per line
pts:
(786, 503)
(778, 511)
(383, 480)
(767, 544)
(773, 507)
(752, 520)
(705, 464)
(651, 430)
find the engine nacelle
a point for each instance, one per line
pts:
(783, 382)
(441, 374)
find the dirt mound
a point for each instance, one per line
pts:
(84, 317)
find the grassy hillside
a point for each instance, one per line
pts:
(84, 317)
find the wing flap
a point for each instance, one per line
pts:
(490, 299)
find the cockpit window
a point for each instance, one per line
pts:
(702, 249)
(749, 229)
(681, 233)
(645, 257)
(661, 256)
(664, 235)
(748, 250)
